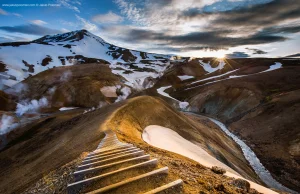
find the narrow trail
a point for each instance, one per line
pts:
(116, 167)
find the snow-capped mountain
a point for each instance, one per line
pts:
(19, 60)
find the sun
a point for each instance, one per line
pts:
(220, 55)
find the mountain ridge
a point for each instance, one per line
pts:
(70, 48)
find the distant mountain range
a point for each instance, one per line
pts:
(19, 60)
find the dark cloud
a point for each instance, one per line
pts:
(138, 35)
(30, 29)
(219, 39)
(199, 40)
(258, 15)
(263, 20)
(294, 55)
(237, 55)
(171, 49)
(234, 24)
(281, 29)
(257, 51)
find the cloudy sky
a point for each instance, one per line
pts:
(244, 28)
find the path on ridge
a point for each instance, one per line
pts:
(116, 167)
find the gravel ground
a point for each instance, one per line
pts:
(56, 181)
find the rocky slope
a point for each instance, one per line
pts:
(258, 101)
(48, 149)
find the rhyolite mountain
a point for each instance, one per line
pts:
(257, 98)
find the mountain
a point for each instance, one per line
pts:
(63, 87)
(20, 60)
(297, 55)
(258, 99)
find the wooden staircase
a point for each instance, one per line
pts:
(116, 167)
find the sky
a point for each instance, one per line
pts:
(194, 28)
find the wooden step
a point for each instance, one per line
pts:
(77, 185)
(110, 146)
(97, 168)
(99, 151)
(111, 139)
(111, 143)
(163, 170)
(117, 167)
(117, 177)
(85, 161)
(113, 152)
(138, 153)
(166, 187)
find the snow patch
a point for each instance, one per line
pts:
(208, 68)
(213, 77)
(136, 78)
(168, 139)
(277, 65)
(109, 91)
(67, 108)
(183, 105)
(89, 110)
(161, 91)
(185, 77)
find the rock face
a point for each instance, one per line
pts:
(7, 103)
(258, 105)
(225, 101)
(242, 184)
(72, 86)
(273, 132)
(218, 170)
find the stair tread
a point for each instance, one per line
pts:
(118, 167)
(165, 187)
(116, 185)
(150, 162)
(106, 160)
(112, 151)
(108, 150)
(111, 155)
(112, 164)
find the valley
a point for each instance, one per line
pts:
(57, 105)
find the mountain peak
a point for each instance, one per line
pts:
(68, 36)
